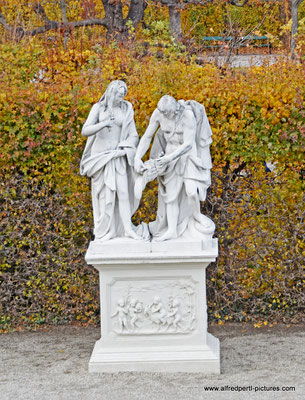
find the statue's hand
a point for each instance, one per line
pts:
(108, 122)
(163, 161)
(138, 165)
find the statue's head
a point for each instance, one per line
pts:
(168, 106)
(176, 303)
(121, 302)
(133, 302)
(156, 300)
(115, 92)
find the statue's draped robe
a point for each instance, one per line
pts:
(192, 168)
(103, 169)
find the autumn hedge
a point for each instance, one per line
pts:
(257, 115)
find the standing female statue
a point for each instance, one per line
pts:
(108, 159)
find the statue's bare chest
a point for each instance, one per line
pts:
(116, 115)
(172, 130)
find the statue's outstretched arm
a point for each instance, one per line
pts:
(146, 139)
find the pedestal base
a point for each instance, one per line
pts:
(153, 308)
(204, 359)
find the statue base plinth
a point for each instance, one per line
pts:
(204, 359)
(153, 307)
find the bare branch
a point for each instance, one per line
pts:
(89, 22)
(235, 37)
(18, 32)
(294, 28)
(179, 5)
(63, 6)
(198, 2)
(39, 10)
(4, 23)
(53, 25)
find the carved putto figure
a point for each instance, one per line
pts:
(174, 314)
(134, 310)
(180, 157)
(108, 160)
(156, 311)
(121, 312)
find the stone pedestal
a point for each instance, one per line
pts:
(153, 306)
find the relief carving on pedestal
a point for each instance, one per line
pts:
(153, 307)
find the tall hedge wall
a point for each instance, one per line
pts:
(257, 115)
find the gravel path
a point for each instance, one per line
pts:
(53, 365)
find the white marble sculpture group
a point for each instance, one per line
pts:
(179, 158)
(152, 277)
